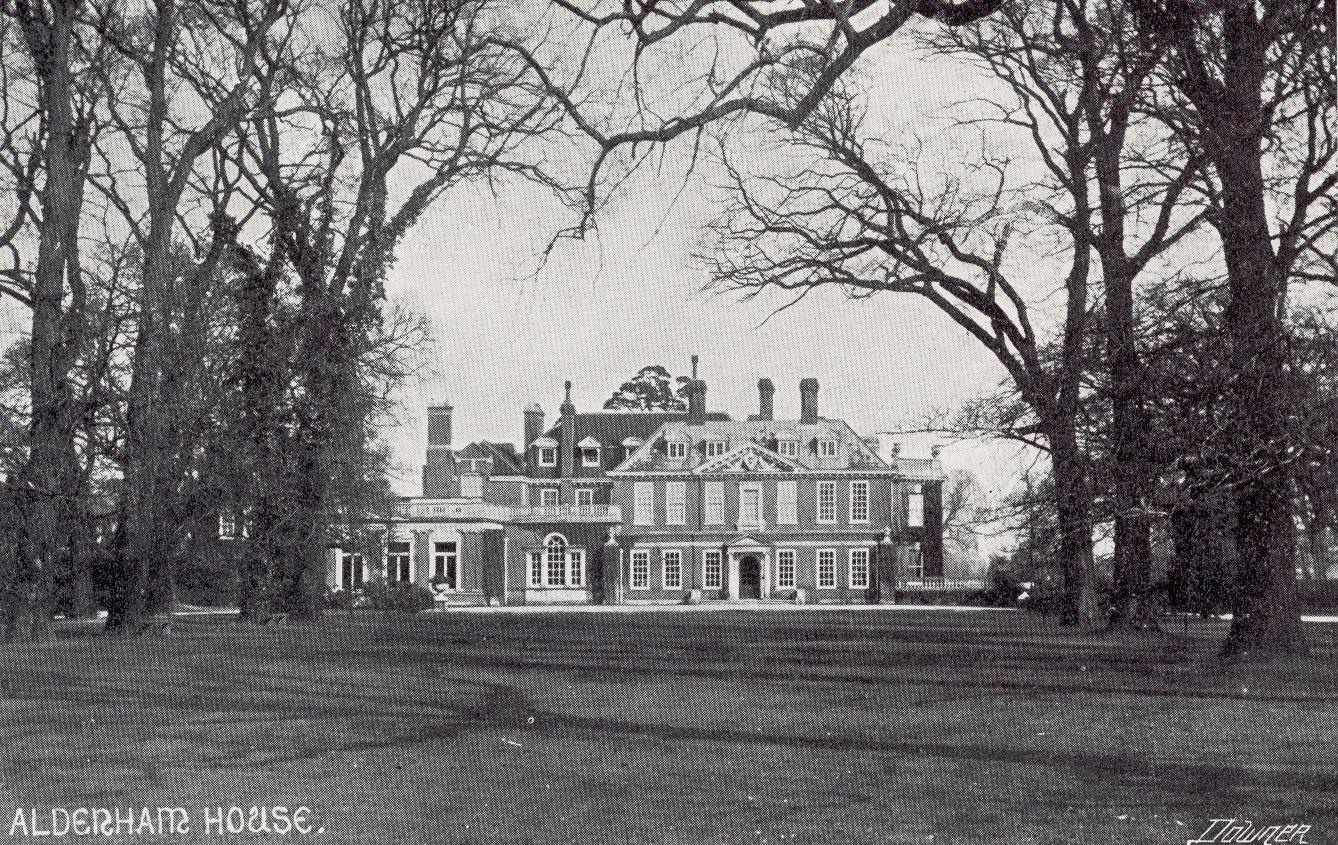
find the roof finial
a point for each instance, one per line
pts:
(694, 366)
(567, 385)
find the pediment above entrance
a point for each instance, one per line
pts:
(746, 542)
(749, 458)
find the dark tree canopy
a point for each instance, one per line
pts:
(651, 389)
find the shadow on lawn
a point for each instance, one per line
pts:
(235, 697)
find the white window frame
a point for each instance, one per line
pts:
(915, 507)
(555, 565)
(347, 559)
(676, 449)
(787, 503)
(714, 510)
(535, 564)
(830, 504)
(916, 568)
(548, 456)
(748, 519)
(824, 556)
(671, 560)
(785, 563)
(850, 568)
(585, 497)
(575, 567)
(713, 558)
(861, 515)
(827, 448)
(643, 503)
(397, 557)
(569, 571)
(675, 503)
(227, 525)
(716, 448)
(545, 493)
(445, 556)
(788, 448)
(589, 456)
(638, 570)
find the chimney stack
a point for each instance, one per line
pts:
(808, 401)
(439, 471)
(765, 391)
(439, 426)
(534, 425)
(696, 402)
(567, 454)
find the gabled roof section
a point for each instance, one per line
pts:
(504, 459)
(852, 453)
(750, 457)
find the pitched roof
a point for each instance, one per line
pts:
(504, 459)
(851, 451)
(611, 428)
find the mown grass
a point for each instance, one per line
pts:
(755, 726)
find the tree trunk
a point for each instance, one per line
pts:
(1073, 505)
(1133, 471)
(47, 485)
(1265, 619)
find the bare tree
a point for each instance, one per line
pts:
(368, 111)
(50, 122)
(685, 66)
(1253, 93)
(859, 215)
(182, 80)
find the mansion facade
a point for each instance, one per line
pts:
(648, 507)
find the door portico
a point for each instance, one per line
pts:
(739, 551)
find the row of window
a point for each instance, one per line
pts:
(399, 565)
(548, 496)
(589, 456)
(751, 503)
(824, 575)
(678, 450)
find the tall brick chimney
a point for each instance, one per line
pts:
(534, 425)
(439, 471)
(567, 454)
(765, 405)
(696, 402)
(808, 401)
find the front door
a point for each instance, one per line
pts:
(750, 578)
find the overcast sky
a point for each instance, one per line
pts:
(631, 296)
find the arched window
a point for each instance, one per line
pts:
(555, 552)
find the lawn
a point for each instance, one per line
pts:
(756, 726)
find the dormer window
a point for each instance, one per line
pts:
(826, 448)
(630, 445)
(788, 448)
(676, 449)
(715, 448)
(589, 449)
(547, 449)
